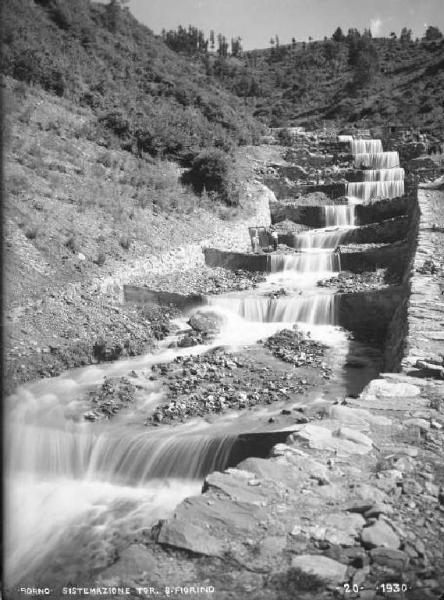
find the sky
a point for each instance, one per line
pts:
(256, 21)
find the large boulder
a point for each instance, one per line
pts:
(206, 322)
(380, 534)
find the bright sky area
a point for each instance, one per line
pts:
(255, 21)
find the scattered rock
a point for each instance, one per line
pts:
(321, 438)
(389, 557)
(379, 534)
(381, 388)
(133, 563)
(186, 535)
(338, 528)
(331, 571)
(293, 346)
(113, 395)
(410, 486)
(419, 423)
(206, 322)
(352, 435)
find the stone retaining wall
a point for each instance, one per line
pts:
(236, 260)
(140, 295)
(424, 310)
(397, 331)
(284, 189)
(369, 313)
(393, 257)
(381, 210)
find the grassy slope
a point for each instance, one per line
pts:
(69, 195)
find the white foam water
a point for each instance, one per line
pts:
(377, 160)
(317, 309)
(366, 191)
(395, 174)
(341, 215)
(366, 146)
(306, 263)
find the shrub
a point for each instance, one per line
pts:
(32, 232)
(213, 171)
(116, 121)
(125, 241)
(73, 243)
(17, 183)
(101, 259)
(285, 137)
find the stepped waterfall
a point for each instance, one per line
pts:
(382, 175)
(74, 487)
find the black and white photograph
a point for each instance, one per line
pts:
(222, 299)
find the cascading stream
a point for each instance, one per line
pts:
(383, 177)
(75, 486)
(116, 456)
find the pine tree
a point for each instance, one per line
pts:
(338, 35)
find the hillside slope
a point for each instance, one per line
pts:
(381, 81)
(404, 85)
(74, 213)
(145, 97)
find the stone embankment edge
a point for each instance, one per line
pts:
(425, 306)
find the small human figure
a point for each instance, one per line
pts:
(255, 242)
(274, 239)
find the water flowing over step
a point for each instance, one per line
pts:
(340, 215)
(368, 190)
(378, 160)
(366, 146)
(122, 458)
(321, 239)
(306, 262)
(319, 309)
(395, 174)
